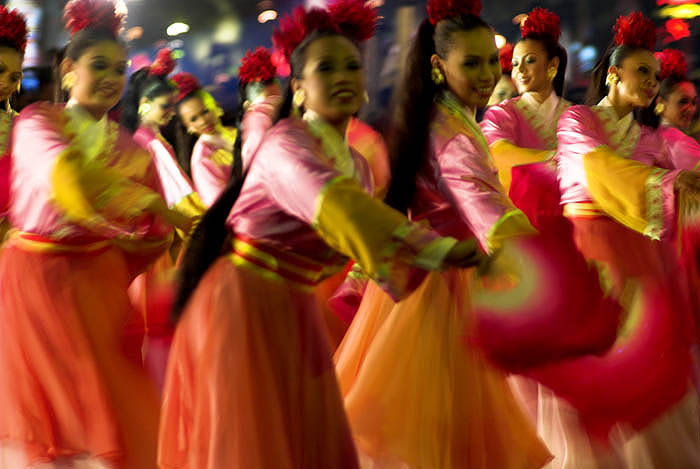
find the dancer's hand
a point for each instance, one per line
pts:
(466, 254)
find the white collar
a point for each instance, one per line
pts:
(547, 109)
(623, 122)
(335, 146)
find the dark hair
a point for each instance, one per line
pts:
(408, 142)
(210, 235)
(669, 85)
(76, 47)
(598, 89)
(184, 141)
(553, 49)
(141, 85)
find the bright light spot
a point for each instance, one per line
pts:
(500, 41)
(120, 8)
(176, 29)
(677, 28)
(588, 54)
(134, 33)
(375, 3)
(267, 15)
(222, 78)
(228, 31)
(178, 54)
(176, 43)
(686, 11)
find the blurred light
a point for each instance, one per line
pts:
(178, 54)
(685, 11)
(267, 15)
(176, 29)
(176, 43)
(228, 31)
(134, 33)
(588, 54)
(677, 28)
(673, 2)
(222, 78)
(120, 8)
(520, 19)
(139, 61)
(375, 3)
(500, 41)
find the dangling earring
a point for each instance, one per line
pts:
(551, 74)
(365, 97)
(437, 76)
(299, 98)
(68, 80)
(612, 79)
(144, 109)
(659, 108)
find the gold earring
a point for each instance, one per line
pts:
(365, 97)
(551, 74)
(68, 80)
(437, 76)
(612, 79)
(659, 108)
(299, 98)
(144, 109)
(19, 87)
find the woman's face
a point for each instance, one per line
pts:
(332, 79)
(100, 76)
(505, 89)
(10, 72)
(160, 109)
(680, 105)
(197, 118)
(472, 67)
(638, 78)
(531, 65)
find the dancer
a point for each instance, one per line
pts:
(88, 217)
(212, 156)
(505, 88)
(623, 194)
(250, 381)
(522, 130)
(13, 40)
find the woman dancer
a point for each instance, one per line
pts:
(250, 381)
(88, 217)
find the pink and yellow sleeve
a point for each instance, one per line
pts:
(257, 120)
(392, 250)
(469, 179)
(211, 169)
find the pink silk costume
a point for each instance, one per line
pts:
(212, 159)
(617, 186)
(250, 380)
(418, 393)
(87, 213)
(6, 119)
(523, 141)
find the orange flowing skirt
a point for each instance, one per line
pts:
(418, 395)
(250, 380)
(70, 385)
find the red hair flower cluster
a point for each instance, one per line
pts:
(13, 28)
(163, 65)
(257, 66)
(355, 19)
(439, 10)
(186, 84)
(672, 63)
(505, 55)
(541, 22)
(81, 14)
(635, 30)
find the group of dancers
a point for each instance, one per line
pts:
(517, 293)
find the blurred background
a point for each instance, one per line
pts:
(210, 36)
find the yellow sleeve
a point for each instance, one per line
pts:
(506, 156)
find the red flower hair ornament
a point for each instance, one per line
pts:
(505, 55)
(257, 66)
(635, 30)
(541, 22)
(13, 28)
(354, 19)
(82, 14)
(186, 84)
(163, 65)
(673, 64)
(439, 10)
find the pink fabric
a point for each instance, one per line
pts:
(684, 151)
(209, 178)
(5, 170)
(458, 189)
(176, 185)
(581, 130)
(257, 120)
(282, 213)
(37, 140)
(505, 122)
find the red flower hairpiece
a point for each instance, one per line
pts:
(257, 66)
(541, 22)
(355, 19)
(13, 28)
(673, 64)
(281, 64)
(163, 65)
(505, 55)
(635, 30)
(439, 10)
(295, 27)
(81, 14)
(186, 84)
